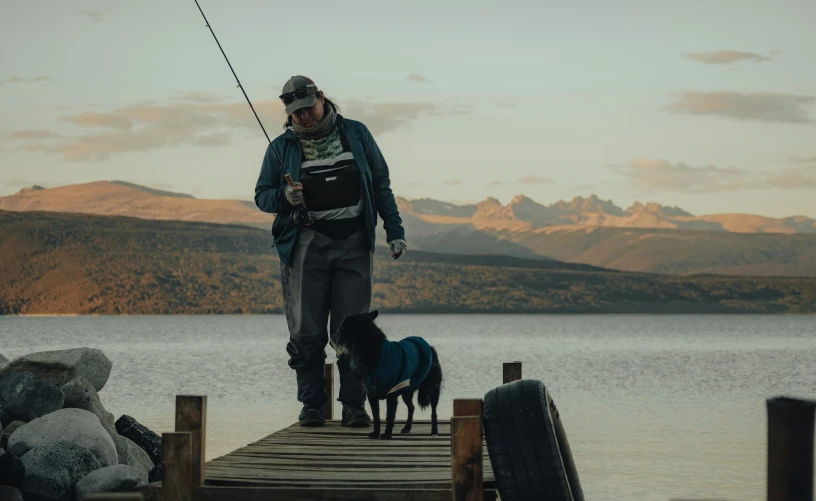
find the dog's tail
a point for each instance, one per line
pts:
(431, 387)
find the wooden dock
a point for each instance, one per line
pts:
(331, 463)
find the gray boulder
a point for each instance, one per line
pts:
(59, 367)
(141, 436)
(77, 426)
(8, 430)
(10, 494)
(132, 455)
(53, 470)
(117, 478)
(24, 396)
(80, 394)
(3, 361)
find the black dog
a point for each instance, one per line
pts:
(390, 370)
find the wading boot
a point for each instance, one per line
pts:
(355, 416)
(312, 416)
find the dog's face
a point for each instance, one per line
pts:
(350, 330)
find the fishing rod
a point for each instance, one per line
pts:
(307, 218)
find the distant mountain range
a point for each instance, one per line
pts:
(644, 237)
(58, 263)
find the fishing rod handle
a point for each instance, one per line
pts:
(289, 180)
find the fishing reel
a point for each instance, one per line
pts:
(301, 217)
(300, 214)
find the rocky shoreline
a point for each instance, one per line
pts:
(58, 442)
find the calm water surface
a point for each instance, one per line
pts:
(656, 407)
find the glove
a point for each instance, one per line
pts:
(398, 248)
(294, 194)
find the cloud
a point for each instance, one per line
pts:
(413, 77)
(32, 134)
(200, 97)
(726, 57)
(662, 175)
(96, 15)
(803, 160)
(763, 107)
(507, 104)
(24, 80)
(526, 180)
(792, 180)
(200, 122)
(214, 139)
(92, 119)
(453, 182)
(385, 117)
(535, 180)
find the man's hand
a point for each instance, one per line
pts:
(398, 248)
(294, 194)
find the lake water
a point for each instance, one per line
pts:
(656, 407)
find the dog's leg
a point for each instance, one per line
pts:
(408, 398)
(434, 401)
(390, 415)
(375, 414)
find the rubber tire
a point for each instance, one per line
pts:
(527, 445)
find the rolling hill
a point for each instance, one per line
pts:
(55, 263)
(644, 237)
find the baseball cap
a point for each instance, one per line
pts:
(298, 92)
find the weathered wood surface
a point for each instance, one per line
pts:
(334, 457)
(511, 371)
(191, 416)
(177, 456)
(467, 475)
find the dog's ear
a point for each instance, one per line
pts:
(373, 314)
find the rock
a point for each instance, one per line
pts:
(10, 494)
(117, 478)
(77, 426)
(132, 455)
(3, 361)
(10, 428)
(53, 470)
(59, 367)
(25, 396)
(80, 394)
(141, 436)
(156, 474)
(12, 470)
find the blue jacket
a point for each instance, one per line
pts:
(403, 364)
(270, 190)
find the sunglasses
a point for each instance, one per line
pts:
(298, 93)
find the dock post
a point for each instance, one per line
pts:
(191, 416)
(511, 372)
(114, 496)
(328, 371)
(790, 449)
(467, 407)
(466, 451)
(177, 456)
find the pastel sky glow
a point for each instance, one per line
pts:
(710, 106)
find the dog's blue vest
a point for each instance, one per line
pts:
(403, 364)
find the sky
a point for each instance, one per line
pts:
(706, 105)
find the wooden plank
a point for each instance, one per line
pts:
(467, 407)
(177, 452)
(191, 416)
(790, 449)
(212, 493)
(328, 373)
(511, 371)
(114, 496)
(466, 448)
